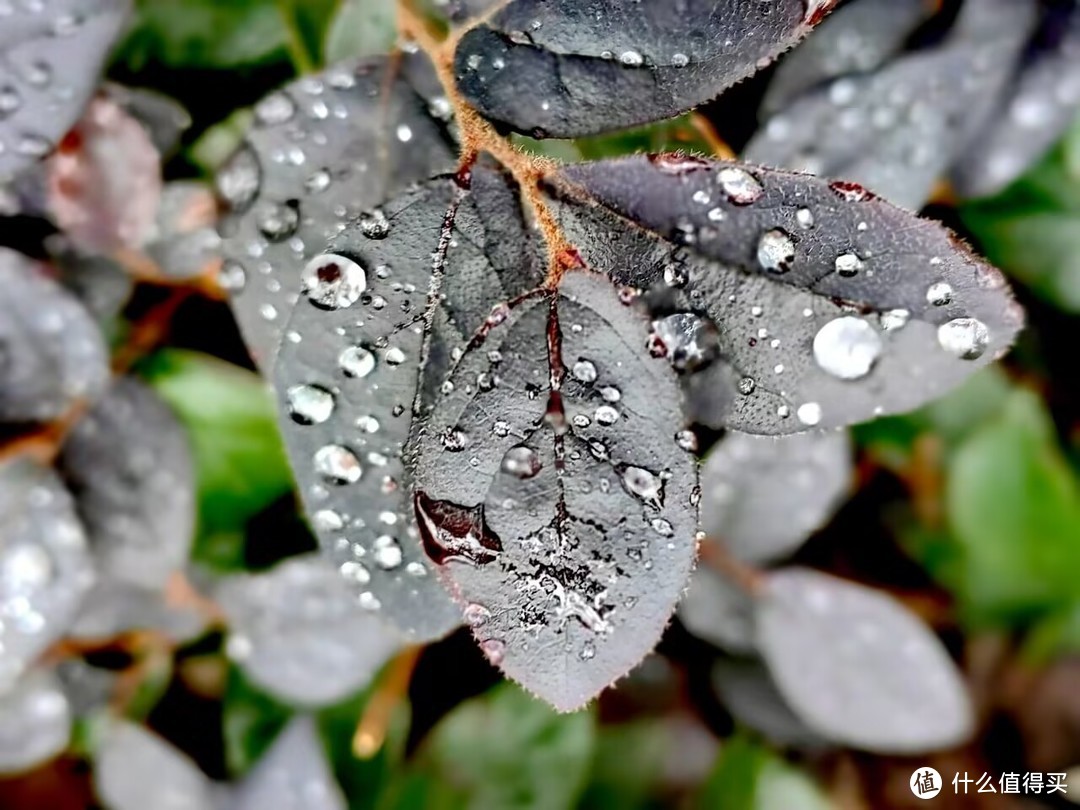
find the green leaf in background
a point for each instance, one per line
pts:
(205, 34)
(306, 22)
(1013, 503)
(219, 141)
(230, 417)
(250, 720)
(749, 776)
(1032, 229)
(502, 750)
(628, 766)
(680, 134)
(361, 28)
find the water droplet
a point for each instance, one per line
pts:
(809, 413)
(847, 347)
(240, 179)
(278, 222)
(337, 464)
(966, 338)
(740, 187)
(375, 225)
(310, 404)
(776, 251)
(676, 163)
(394, 356)
(805, 218)
(631, 58)
(521, 462)
(454, 440)
(606, 415)
(848, 264)
(939, 294)
(368, 601)
(584, 371)
(332, 282)
(679, 60)
(453, 532)
(232, 277)
(894, 319)
(687, 440)
(356, 361)
(355, 572)
(689, 341)
(368, 424)
(275, 109)
(404, 133)
(415, 569)
(609, 393)
(10, 101)
(747, 385)
(327, 520)
(386, 552)
(643, 485)
(317, 182)
(475, 615)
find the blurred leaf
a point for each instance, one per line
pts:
(627, 766)
(250, 719)
(308, 21)
(503, 750)
(361, 28)
(1013, 503)
(1032, 229)
(220, 141)
(239, 462)
(677, 134)
(749, 776)
(204, 34)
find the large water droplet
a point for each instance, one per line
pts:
(643, 484)
(966, 338)
(356, 361)
(776, 251)
(847, 347)
(310, 404)
(337, 464)
(332, 282)
(689, 341)
(584, 371)
(740, 187)
(455, 533)
(521, 462)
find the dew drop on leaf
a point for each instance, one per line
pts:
(310, 404)
(847, 347)
(967, 338)
(337, 464)
(333, 282)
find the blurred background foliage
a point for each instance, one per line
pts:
(968, 511)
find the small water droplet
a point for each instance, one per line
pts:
(805, 218)
(687, 440)
(337, 464)
(848, 264)
(939, 294)
(232, 277)
(332, 282)
(631, 58)
(356, 361)
(454, 440)
(277, 108)
(310, 404)
(588, 651)
(394, 356)
(375, 225)
(679, 60)
(688, 341)
(278, 222)
(894, 319)
(747, 385)
(809, 413)
(521, 462)
(776, 251)
(386, 552)
(847, 347)
(643, 484)
(966, 338)
(584, 371)
(327, 520)
(606, 415)
(740, 187)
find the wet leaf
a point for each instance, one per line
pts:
(53, 354)
(128, 464)
(292, 775)
(858, 668)
(298, 633)
(857, 38)
(507, 750)
(897, 131)
(45, 567)
(764, 496)
(563, 69)
(102, 285)
(51, 62)
(749, 693)
(715, 610)
(323, 151)
(228, 412)
(114, 607)
(557, 501)
(185, 240)
(361, 28)
(35, 722)
(348, 388)
(1013, 504)
(135, 769)
(817, 303)
(163, 118)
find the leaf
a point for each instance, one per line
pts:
(751, 777)
(298, 633)
(35, 722)
(1012, 504)
(53, 353)
(44, 561)
(163, 118)
(250, 720)
(114, 607)
(135, 769)
(1037, 109)
(240, 465)
(897, 131)
(749, 693)
(128, 464)
(857, 38)
(829, 305)
(361, 28)
(204, 34)
(858, 668)
(557, 501)
(506, 750)
(342, 376)
(562, 69)
(716, 610)
(185, 243)
(293, 774)
(49, 68)
(323, 150)
(309, 22)
(764, 496)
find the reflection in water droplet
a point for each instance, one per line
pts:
(521, 462)
(337, 464)
(356, 361)
(847, 347)
(332, 282)
(966, 338)
(310, 404)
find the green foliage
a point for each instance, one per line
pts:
(1032, 229)
(750, 776)
(250, 720)
(361, 28)
(240, 464)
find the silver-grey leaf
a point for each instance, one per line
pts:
(859, 668)
(45, 567)
(717, 611)
(763, 496)
(298, 632)
(827, 305)
(554, 496)
(323, 150)
(53, 352)
(748, 692)
(51, 57)
(35, 722)
(129, 466)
